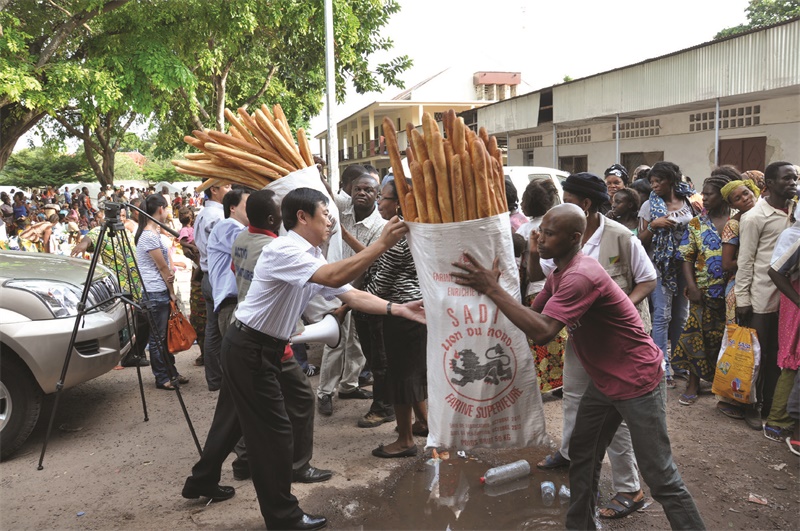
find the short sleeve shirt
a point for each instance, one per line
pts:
(151, 276)
(604, 327)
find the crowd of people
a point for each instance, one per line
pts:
(626, 291)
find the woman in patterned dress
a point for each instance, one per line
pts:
(700, 251)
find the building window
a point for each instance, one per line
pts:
(527, 158)
(632, 160)
(639, 128)
(529, 142)
(728, 118)
(574, 136)
(574, 164)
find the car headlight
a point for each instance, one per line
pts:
(61, 298)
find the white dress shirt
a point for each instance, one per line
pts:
(280, 289)
(219, 248)
(211, 214)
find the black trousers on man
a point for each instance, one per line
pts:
(252, 396)
(370, 332)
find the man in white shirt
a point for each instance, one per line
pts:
(289, 272)
(361, 225)
(211, 214)
(757, 298)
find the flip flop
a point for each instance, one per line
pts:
(687, 400)
(622, 506)
(408, 452)
(730, 411)
(553, 461)
(794, 446)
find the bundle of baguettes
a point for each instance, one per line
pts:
(457, 178)
(257, 149)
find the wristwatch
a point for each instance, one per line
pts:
(389, 308)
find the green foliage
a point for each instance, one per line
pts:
(762, 13)
(567, 79)
(162, 170)
(42, 167)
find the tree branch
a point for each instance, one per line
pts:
(64, 31)
(254, 98)
(121, 132)
(198, 124)
(84, 135)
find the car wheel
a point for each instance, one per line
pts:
(20, 403)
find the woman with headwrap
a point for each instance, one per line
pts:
(626, 262)
(741, 195)
(616, 178)
(700, 251)
(662, 220)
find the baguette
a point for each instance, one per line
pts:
(397, 166)
(431, 192)
(411, 213)
(482, 196)
(442, 178)
(418, 189)
(305, 148)
(239, 127)
(459, 201)
(289, 152)
(277, 111)
(275, 171)
(418, 144)
(263, 152)
(468, 178)
(256, 131)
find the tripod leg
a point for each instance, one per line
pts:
(127, 251)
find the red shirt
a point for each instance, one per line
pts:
(604, 327)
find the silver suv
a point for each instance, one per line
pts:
(39, 294)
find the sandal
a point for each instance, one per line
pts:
(794, 446)
(166, 386)
(687, 400)
(730, 410)
(553, 461)
(775, 434)
(622, 506)
(671, 383)
(183, 380)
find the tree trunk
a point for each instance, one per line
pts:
(12, 129)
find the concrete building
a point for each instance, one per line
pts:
(732, 101)
(360, 135)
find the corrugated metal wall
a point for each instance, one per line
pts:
(763, 60)
(517, 114)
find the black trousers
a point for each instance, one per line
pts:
(766, 326)
(370, 332)
(142, 328)
(251, 397)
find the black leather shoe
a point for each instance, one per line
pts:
(358, 393)
(307, 522)
(311, 475)
(216, 493)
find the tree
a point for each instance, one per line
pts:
(42, 167)
(42, 63)
(248, 52)
(762, 13)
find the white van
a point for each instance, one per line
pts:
(522, 175)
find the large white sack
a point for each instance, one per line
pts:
(482, 386)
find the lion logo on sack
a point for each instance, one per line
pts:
(496, 369)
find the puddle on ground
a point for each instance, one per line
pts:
(448, 494)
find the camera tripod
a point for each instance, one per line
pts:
(137, 302)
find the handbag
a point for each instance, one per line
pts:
(180, 332)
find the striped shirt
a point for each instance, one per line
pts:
(280, 289)
(395, 276)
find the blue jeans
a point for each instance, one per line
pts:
(158, 306)
(597, 421)
(670, 311)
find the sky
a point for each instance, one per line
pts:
(543, 39)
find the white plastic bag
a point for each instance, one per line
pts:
(482, 386)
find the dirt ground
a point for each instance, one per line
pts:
(105, 468)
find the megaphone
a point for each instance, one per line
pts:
(328, 331)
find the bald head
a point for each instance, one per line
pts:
(570, 217)
(561, 231)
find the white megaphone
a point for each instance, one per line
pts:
(328, 331)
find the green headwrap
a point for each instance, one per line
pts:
(733, 185)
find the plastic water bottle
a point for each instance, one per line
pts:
(548, 493)
(505, 473)
(563, 494)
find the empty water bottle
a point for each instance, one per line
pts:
(505, 473)
(548, 493)
(563, 494)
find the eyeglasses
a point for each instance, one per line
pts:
(388, 198)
